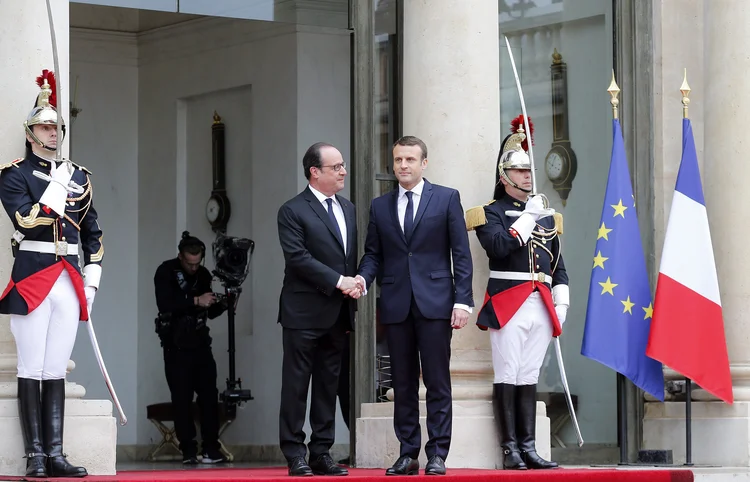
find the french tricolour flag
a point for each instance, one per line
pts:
(687, 329)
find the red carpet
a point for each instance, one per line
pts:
(377, 475)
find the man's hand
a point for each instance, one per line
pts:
(362, 284)
(206, 299)
(459, 318)
(562, 313)
(350, 287)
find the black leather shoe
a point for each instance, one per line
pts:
(299, 468)
(405, 465)
(435, 466)
(324, 465)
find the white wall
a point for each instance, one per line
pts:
(278, 88)
(104, 138)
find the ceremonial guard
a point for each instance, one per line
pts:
(527, 294)
(49, 202)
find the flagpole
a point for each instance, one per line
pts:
(685, 90)
(622, 399)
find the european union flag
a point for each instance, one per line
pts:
(618, 316)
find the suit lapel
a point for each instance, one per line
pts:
(323, 215)
(426, 196)
(394, 214)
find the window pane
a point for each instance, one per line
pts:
(386, 42)
(577, 115)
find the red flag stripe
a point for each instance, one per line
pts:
(686, 337)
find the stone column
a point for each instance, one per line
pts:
(25, 50)
(722, 96)
(451, 100)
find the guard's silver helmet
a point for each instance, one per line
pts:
(513, 152)
(45, 107)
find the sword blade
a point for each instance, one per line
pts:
(58, 87)
(103, 368)
(568, 399)
(525, 116)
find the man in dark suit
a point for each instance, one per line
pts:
(318, 234)
(413, 235)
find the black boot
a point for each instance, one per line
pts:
(504, 407)
(53, 415)
(30, 413)
(526, 428)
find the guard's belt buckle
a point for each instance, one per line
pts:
(540, 277)
(61, 248)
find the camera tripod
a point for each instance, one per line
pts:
(234, 394)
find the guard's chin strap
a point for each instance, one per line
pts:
(513, 184)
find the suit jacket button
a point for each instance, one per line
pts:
(409, 254)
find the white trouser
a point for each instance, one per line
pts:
(45, 337)
(519, 347)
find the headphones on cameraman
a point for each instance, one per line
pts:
(188, 240)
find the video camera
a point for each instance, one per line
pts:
(232, 257)
(232, 261)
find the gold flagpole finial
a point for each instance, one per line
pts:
(685, 90)
(614, 91)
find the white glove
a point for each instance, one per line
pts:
(535, 207)
(57, 191)
(561, 298)
(90, 292)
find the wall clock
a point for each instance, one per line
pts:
(218, 208)
(560, 164)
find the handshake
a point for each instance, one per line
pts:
(353, 287)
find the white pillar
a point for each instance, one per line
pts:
(25, 50)
(718, 58)
(726, 172)
(451, 100)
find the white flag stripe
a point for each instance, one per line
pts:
(688, 255)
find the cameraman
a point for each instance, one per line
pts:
(185, 300)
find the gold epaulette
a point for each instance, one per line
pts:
(558, 222)
(476, 217)
(78, 166)
(13, 163)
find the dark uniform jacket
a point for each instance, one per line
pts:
(34, 273)
(541, 255)
(175, 295)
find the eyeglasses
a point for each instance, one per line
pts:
(336, 167)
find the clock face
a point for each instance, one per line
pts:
(554, 165)
(213, 209)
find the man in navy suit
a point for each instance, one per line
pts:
(318, 235)
(413, 235)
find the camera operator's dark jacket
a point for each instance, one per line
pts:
(184, 323)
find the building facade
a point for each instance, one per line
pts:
(141, 82)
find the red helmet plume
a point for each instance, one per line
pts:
(50, 76)
(518, 123)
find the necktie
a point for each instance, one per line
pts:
(409, 216)
(334, 221)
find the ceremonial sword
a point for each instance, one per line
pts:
(558, 349)
(58, 158)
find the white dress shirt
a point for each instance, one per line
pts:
(338, 213)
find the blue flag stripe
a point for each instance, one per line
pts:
(689, 176)
(619, 304)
